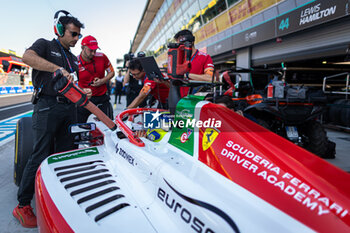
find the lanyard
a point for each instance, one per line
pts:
(70, 67)
(93, 63)
(195, 54)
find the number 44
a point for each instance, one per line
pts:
(284, 24)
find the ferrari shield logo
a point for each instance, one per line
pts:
(209, 137)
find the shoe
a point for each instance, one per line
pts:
(25, 216)
(119, 103)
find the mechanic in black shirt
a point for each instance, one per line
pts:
(52, 113)
(132, 85)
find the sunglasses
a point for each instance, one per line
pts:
(133, 74)
(74, 34)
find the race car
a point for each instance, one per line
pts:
(213, 171)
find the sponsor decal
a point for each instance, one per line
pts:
(185, 136)
(315, 13)
(300, 191)
(177, 206)
(4, 91)
(56, 54)
(72, 155)
(250, 35)
(125, 155)
(185, 114)
(209, 137)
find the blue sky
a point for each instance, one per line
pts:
(112, 22)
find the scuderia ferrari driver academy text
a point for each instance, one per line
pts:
(292, 186)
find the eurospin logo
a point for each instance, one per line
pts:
(157, 120)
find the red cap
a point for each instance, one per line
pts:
(90, 42)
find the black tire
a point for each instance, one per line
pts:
(263, 123)
(315, 138)
(345, 114)
(23, 147)
(335, 111)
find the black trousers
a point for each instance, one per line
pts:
(102, 102)
(118, 91)
(50, 135)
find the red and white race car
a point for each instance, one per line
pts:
(214, 171)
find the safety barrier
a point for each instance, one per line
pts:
(12, 84)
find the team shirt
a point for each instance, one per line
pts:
(201, 63)
(96, 68)
(55, 53)
(160, 91)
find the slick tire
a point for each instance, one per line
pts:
(23, 147)
(315, 139)
(263, 123)
(334, 112)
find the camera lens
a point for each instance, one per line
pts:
(141, 54)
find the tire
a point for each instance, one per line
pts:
(263, 123)
(335, 111)
(315, 138)
(345, 114)
(23, 147)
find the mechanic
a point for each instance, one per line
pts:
(132, 86)
(53, 113)
(159, 89)
(92, 68)
(202, 67)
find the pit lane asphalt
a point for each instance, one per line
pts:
(8, 190)
(11, 105)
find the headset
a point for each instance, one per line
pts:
(57, 25)
(187, 37)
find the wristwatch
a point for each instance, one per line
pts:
(187, 75)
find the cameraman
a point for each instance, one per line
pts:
(202, 67)
(132, 85)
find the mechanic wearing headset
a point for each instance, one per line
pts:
(52, 113)
(132, 86)
(202, 67)
(158, 89)
(92, 68)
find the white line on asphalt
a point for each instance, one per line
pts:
(13, 136)
(11, 95)
(16, 106)
(15, 116)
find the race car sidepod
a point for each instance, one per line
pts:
(215, 171)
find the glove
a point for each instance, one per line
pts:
(59, 80)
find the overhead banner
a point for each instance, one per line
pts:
(220, 47)
(254, 35)
(310, 15)
(307, 16)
